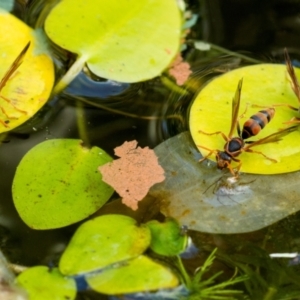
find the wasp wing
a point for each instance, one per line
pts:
(291, 71)
(15, 65)
(275, 137)
(235, 108)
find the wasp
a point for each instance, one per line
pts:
(257, 122)
(9, 73)
(234, 146)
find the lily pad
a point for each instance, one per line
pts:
(40, 282)
(57, 183)
(116, 38)
(103, 241)
(29, 87)
(136, 275)
(203, 198)
(264, 85)
(167, 238)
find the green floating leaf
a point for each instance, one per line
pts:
(264, 85)
(167, 238)
(136, 275)
(29, 87)
(201, 197)
(117, 38)
(57, 184)
(40, 282)
(103, 241)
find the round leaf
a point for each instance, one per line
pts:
(57, 184)
(167, 238)
(117, 38)
(103, 241)
(40, 282)
(201, 197)
(137, 275)
(264, 85)
(29, 87)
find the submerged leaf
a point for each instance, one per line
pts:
(40, 282)
(264, 85)
(136, 275)
(117, 38)
(167, 238)
(29, 87)
(201, 197)
(133, 174)
(57, 184)
(103, 241)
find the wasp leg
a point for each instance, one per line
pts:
(16, 108)
(217, 132)
(3, 123)
(258, 152)
(208, 155)
(7, 116)
(293, 120)
(235, 173)
(243, 114)
(287, 105)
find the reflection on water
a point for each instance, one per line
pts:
(228, 192)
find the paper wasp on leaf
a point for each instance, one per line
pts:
(234, 146)
(9, 73)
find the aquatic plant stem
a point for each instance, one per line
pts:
(81, 124)
(70, 75)
(270, 293)
(47, 6)
(226, 51)
(184, 274)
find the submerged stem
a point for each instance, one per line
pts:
(81, 124)
(70, 75)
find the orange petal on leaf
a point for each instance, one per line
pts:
(180, 70)
(133, 173)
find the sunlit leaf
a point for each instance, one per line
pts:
(137, 275)
(264, 85)
(103, 241)
(117, 38)
(57, 183)
(29, 87)
(201, 197)
(40, 282)
(167, 238)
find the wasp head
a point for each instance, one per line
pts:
(223, 159)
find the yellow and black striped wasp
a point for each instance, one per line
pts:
(234, 146)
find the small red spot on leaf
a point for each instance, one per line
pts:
(133, 173)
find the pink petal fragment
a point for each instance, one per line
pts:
(180, 70)
(133, 173)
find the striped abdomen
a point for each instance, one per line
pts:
(257, 122)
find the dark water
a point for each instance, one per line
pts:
(150, 113)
